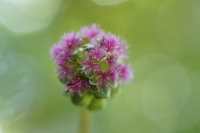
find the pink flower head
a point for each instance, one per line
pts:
(90, 61)
(77, 85)
(125, 72)
(89, 64)
(97, 52)
(91, 32)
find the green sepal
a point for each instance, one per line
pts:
(63, 80)
(71, 63)
(93, 89)
(103, 93)
(83, 100)
(88, 46)
(80, 54)
(93, 81)
(104, 65)
(97, 104)
(90, 74)
(85, 41)
(78, 59)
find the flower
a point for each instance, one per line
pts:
(60, 54)
(110, 43)
(91, 63)
(71, 41)
(105, 76)
(77, 85)
(64, 71)
(125, 72)
(91, 32)
(112, 60)
(97, 52)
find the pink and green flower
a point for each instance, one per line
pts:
(91, 62)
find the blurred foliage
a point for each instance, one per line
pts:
(164, 41)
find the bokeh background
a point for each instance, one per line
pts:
(164, 49)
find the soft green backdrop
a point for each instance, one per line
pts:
(164, 40)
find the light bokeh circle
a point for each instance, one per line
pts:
(108, 2)
(28, 15)
(177, 29)
(160, 90)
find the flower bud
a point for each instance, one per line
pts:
(83, 101)
(97, 104)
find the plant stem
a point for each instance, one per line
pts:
(85, 121)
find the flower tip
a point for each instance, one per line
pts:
(92, 31)
(126, 73)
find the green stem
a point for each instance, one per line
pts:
(85, 121)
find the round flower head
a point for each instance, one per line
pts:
(91, 64)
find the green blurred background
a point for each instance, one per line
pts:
(164, 49)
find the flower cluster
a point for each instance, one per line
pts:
(91, 62)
